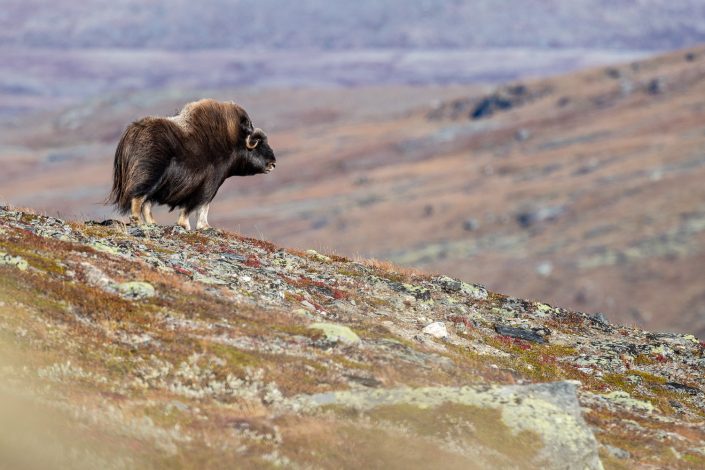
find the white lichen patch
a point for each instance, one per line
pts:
(7, 259)
(68, 372)
(624, 399)
(197, 379)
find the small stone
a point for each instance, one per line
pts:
(337, 333)
(683, 388)
(234, 257)
(213, 281)
(436, 329)
(691, 338)
(177, 230)
(599, 318)
(450, 285)
(542, 310)
(317, 255)
(136, 290)
(136, 232)
(530, 217)
(105, 248)
(419, 293)
(522, 333)
(617, 452)
(470, 225)
(106, 223)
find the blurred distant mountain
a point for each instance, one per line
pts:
(325, 24)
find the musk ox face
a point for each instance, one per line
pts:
(259, 153)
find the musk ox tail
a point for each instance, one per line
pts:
(124, 167)
(141, 159)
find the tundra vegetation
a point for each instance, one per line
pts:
(143, 346)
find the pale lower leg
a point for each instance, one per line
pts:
(202, 221)
(183, 219)
(147, 213)
(136, 209)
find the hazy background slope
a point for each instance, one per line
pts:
(315, 24)
(583, 190)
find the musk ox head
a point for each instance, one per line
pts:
(259, 153)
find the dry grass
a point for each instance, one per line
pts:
(391, 270)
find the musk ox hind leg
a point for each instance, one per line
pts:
(136, 210)
(183, 219)
(147, 213)
(202, 221)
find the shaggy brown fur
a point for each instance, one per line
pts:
(182, 161)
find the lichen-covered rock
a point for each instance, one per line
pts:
(337, 333)
(436, 329)
(136, 290)
(550, 412)
(104, 247)
(454, 285)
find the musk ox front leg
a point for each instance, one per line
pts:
(136, 210)
(183, 219)
(202, 222)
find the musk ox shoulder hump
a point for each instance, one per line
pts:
(196, 113)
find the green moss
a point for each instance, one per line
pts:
(95, 231)
(13, 289)
(471, 424)
(236, 358)
(344, 271)
(350, 364)
(393, 276)
(299, 330)
(649, 378)
(195, 238)
(643, 360)
(695, 460)
(619, 382)
(26, 218)
(374, 302)
(36, 258)
(373, 331)
(341, 445)
(292, 297)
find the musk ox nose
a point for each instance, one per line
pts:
(270, 166)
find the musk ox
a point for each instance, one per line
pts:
(181, 161)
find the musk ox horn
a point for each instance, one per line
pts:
(254, 139)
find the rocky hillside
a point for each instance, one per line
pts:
(126, 346)
(583, 190)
